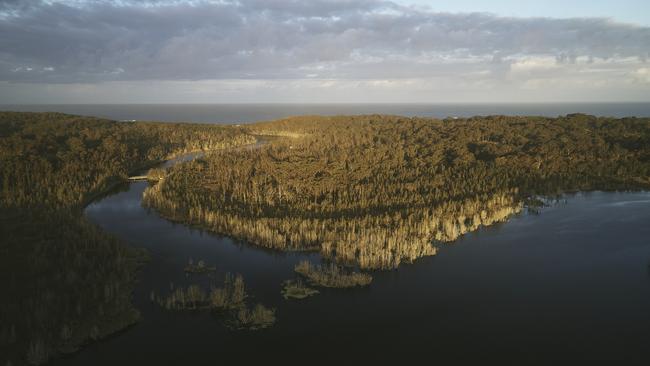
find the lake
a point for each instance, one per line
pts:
(241, 113)
(568, 285)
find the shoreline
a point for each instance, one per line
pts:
(115, 181)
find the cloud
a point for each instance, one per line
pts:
(642, 75)
(273, 50)
(94, 41)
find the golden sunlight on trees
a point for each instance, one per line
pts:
(375, 191)
(227, 301)
(331, 275)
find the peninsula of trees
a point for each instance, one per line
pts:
(374, 191)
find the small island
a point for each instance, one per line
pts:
(199, 268)
(332, 275)
(296, 289)
(227, 301)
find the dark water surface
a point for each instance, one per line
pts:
(239, 113)
(571, 284)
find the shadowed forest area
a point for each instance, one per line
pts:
(65, 282)
(375, 190)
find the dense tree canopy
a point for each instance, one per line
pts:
(375, 190)
(54, 159)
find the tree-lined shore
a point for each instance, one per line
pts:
(375, 190)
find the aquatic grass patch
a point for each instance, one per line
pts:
(255, 318)
(193, 297)
(227, 301)
(331, 275)
(199, 267)
(296, 289)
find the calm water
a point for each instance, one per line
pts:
(241, 113)
(569, 285)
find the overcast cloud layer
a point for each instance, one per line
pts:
(259, 49)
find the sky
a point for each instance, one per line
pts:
(324, 51)
(628, 11)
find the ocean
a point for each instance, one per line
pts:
(243, 113)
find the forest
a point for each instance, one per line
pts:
(58, 160)
(374, 191)
(66, 282)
